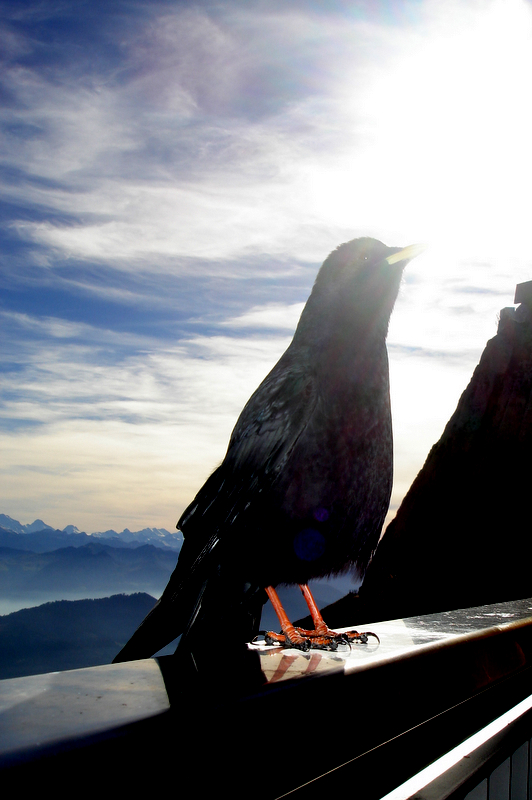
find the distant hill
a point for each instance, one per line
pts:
(90, 569)
(42, 538)
(68, 634)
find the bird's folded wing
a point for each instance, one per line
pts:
(272, 421)
(260, 446)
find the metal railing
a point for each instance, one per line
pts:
(269, 723)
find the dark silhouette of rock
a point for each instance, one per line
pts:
(463, 533)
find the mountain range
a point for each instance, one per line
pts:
(41, 538)
(39, 563)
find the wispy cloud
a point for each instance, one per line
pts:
(271, 315)
(174, 174)
(142, 432)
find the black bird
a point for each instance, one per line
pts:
(305, 485)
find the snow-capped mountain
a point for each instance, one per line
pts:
(11, 524)
(44, 534)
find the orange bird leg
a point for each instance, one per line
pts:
(321, 629)
(320, 626)
(289, 635)
(295, 637)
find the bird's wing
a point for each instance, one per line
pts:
(272, 421)
(263, 438)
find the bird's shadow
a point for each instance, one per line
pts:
(211, 675)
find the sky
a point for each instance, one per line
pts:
(173, 174)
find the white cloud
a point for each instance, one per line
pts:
(271, 315)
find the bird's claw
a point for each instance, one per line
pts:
(299, 643)
(354, 636)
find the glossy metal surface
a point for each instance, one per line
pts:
(39, 711)
(399, 639)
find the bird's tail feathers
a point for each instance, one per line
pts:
(178, 607)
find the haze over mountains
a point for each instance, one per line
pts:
(39, 563)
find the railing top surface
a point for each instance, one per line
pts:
(42, 710)
(398, 639)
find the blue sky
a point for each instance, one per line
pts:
(174, 174)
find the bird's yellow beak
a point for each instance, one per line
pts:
(407, 253)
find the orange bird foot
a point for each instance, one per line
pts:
(312, 640)
(321, 638)
(301, 640)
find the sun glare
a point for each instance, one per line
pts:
(441, 142)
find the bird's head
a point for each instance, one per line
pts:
(356, 289)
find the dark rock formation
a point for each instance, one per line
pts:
(463, 533)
